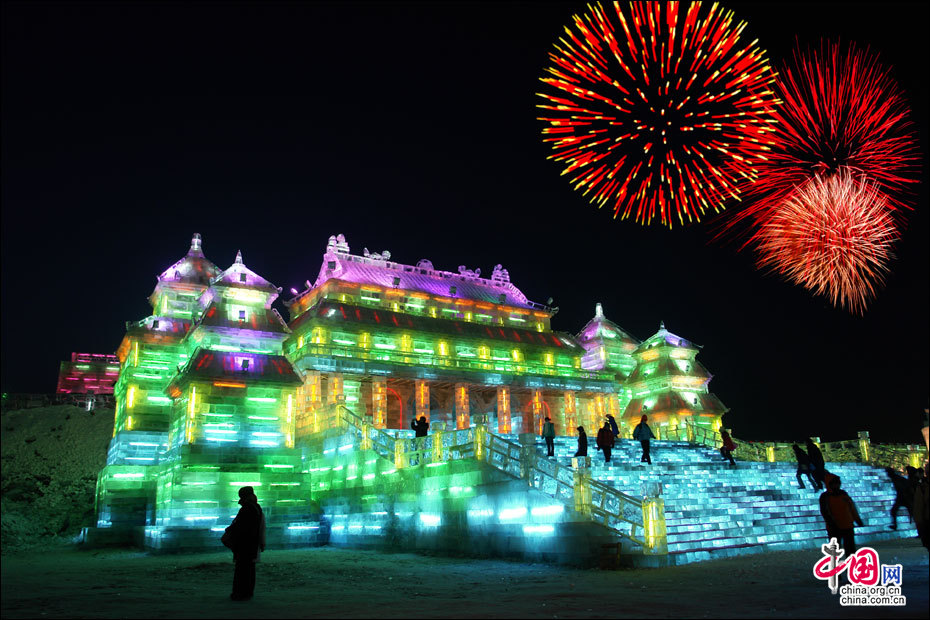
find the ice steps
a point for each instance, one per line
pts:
(715, 510)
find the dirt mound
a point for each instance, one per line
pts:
(50, 460)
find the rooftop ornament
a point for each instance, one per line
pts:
(337, 244)
(385, 255)
(500, 275)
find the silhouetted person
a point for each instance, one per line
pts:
(643, 434)
(921, 512)
(903, 493)
(804, 466)
(840, 515)
(726, 450)
(605, 441)
(613, 426)
(818, 465)
(420, 427)
(582, 442)
(247, 539)
(548, 433)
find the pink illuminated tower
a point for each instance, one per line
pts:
(88, 373)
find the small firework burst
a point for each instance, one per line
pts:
(660, 114)
(833, 236)
(840, 110)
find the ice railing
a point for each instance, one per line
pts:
(859, 450)
(641, 521)
(688, 431)
(445, 361)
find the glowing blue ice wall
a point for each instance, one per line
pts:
(459, 506)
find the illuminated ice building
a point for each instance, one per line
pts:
(216, 391)
(88, 373)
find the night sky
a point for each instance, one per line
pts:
(407, 127)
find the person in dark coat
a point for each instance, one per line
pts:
(921, 512)
(605, 441)
(840, 515)
(726, 450)
(903, 493)
(818, 465)
(804, 466)
(246, 537)
(582, 442)
(643, 434)
(613, 426)
(420, 427)
(548, 433)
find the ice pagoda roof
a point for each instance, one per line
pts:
(667, 368)
(665, 337)
(267, 320)
(194, 268)
(244, 367)
(600, 328)
(672, 403)
(378, 269)
(335, 311)
(240, 276)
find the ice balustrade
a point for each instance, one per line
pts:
(859, 450)
(689, 431)
(397, 356)
(898, 455)
(640, 521)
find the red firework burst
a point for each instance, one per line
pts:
(840, 110)
(654, 110)
(832, 236)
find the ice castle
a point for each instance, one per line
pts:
(217, 391)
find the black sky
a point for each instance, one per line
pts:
(408, 127)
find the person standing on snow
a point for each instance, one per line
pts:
(246, 538)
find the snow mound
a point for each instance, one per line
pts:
(50, 460)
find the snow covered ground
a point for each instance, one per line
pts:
(50, 460)
(340, 583)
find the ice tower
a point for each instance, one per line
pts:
(609, 347)
(670, 385)
(149, 355)
(150, 352)
(232, 420)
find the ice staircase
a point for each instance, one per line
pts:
(714, 510)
